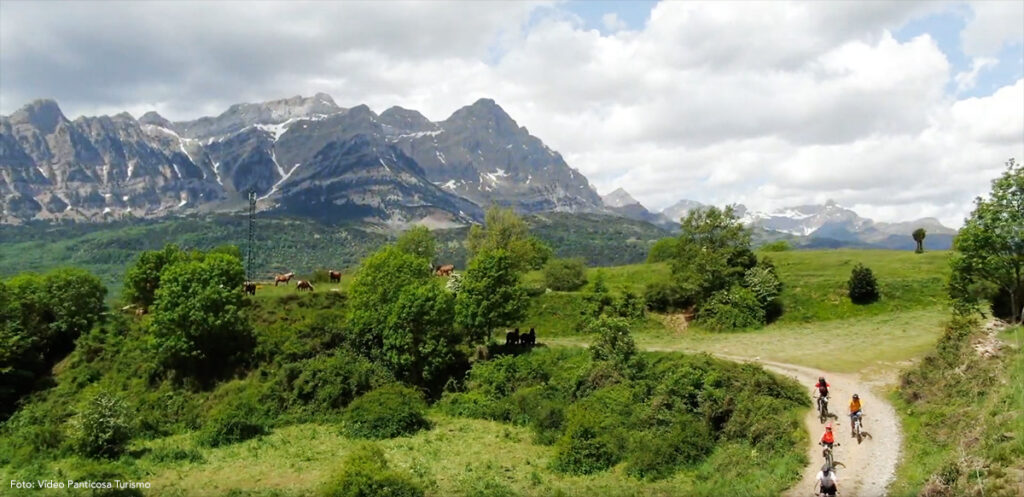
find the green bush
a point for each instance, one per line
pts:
(659, 453)
(776, 246)
(387, 412)
(320, 276)
(666, 296)
(365, 473)
(735, 308)
(565, 274)
(327, 383)
(102, 427)
(239, 417)
(863, 288)
(629, 305)
(662, 250)
(584, 448)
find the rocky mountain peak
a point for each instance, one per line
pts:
(619, 198)
(43, 114)
(155, 119)
(485, 113)
(406, 120)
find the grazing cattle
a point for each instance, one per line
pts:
(249, 288)
(335, 276)
(445, 270)
(529, 338)
(283, 278)
(512, 337)
(303, 285)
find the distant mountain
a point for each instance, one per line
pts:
(620, 202)
(302, 155)
(678, 210)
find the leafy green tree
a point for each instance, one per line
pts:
(613, 343)
(990, 246)
(418, 241)
(102, 426)
(764, 282)
(712, 251)
(734, 308)
(862, 287)
(919, 235)
(505, 230)
(565, 274)
(198, 326)
(231, 250)
(662, 250)
(143, 277)
(76, 301)
(491, 295)
(403, 317)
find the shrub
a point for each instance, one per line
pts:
(863, 288)
(776, 246)
(583, 449)
(734, 308)
(658, 453)
(387, 412)
(365, 473)
(237, 418)
(662, 250)
(764, 281)
(320, 276)
(565, 274)
(614, 343)
(328, 382)
(101, 428)
(666, 296)
(629, 305)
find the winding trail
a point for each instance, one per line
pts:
(864, 469)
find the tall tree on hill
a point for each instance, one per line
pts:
(712, 251)
(505, 230)
(990, 247)
(919, 235)
(418, 241)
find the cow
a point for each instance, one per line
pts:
(529, 338)
(283, 278)
(335, 276)
(445, 270)
(249, 288)
(512, 337)
(303, 285)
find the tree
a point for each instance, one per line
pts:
(990, 246)
(662, 250)
(712, 251)
(76, 303)
(734, 308)
(102, 426)
(862, 286)
(565, 274)
(504, 229)
(418, 241)
(198, 326)
(491, 295)
(613, 343)
(402, 317)
(143, 277)
(919, 235)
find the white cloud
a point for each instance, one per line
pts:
(966, 80)
(612, 22)
(994, 24)
(764, 103)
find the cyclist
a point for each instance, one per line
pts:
(822, 387)
(827, 438)
(855, 412)
(827, 481)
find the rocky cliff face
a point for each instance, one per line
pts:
(303, 155)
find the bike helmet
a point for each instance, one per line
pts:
(828, 427)
(821, 380)
(825, 468)
(856, 396)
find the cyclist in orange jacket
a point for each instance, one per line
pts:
(855, 413)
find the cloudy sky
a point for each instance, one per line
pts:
(896, 109)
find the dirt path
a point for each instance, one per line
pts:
(864, 469)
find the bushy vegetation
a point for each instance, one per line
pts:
(387, 412)
(776, 246)
(365, 473)
(101, 427)
(565, 274)
(607, 407)
(862, 287)
(662, 251)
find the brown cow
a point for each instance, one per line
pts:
(335, 276)
(303, 285)
(283, 278)
(445, 270)
(249, 288)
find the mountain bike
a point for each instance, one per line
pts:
(827, 452)
(857, 426)
(822, 409)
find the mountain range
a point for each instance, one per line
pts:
(309, 157)
(826, 225)
(301, 155)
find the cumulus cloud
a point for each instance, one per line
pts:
(994, 24)
(764, 103)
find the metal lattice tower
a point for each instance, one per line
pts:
(252, 236)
